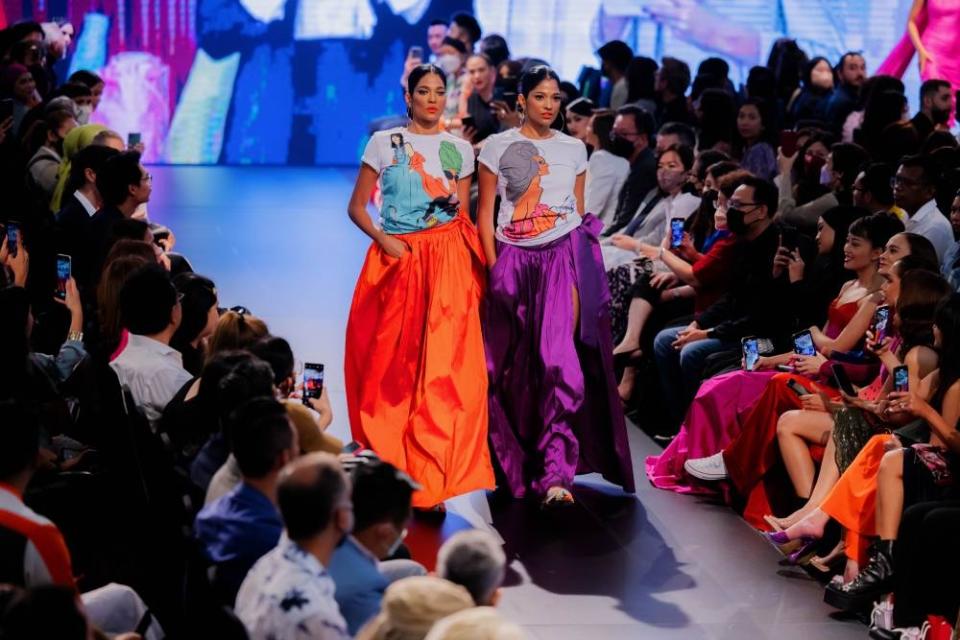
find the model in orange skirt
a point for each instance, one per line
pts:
(415, 368)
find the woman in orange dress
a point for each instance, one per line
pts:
(415, 367)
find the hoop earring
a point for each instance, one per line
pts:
(409, 113)
(523, 115)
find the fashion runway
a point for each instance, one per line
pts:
(654, 565)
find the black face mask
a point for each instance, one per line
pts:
(735, 221)
(620, 146)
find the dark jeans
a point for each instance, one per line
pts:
(927, 563)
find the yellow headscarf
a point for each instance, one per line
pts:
(76, 140)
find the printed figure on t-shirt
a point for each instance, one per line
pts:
(522, 166)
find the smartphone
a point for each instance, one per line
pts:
(133, 139)
(13, 238)
(788, 142)
(788, 238)
(510, 97)
(676, 232)
(797, 388)
(64, 270)
(843, 380)
(880, 322)
(6, 109)
(803, 343)
(415, 53)
(312, 381)
(468, 121)
(751, 352)
(901, 378)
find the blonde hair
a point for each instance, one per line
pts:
(236, 331)
(478, 623)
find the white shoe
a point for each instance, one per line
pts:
(710, 469)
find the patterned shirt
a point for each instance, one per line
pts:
(288, 594)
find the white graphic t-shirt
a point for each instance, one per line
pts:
(418, 177)
(535, 180)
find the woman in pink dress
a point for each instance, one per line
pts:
(932, 29)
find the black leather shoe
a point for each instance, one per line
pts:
(872, 582)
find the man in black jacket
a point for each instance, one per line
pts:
(754, 305)
(633, 131)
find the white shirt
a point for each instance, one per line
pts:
(85, 203)
(606, 174)
(655, 226)
(288, 594)
(934, 226)
(153, 372)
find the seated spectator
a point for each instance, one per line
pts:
(107, 337)
(79, 206)
(641, 82)
(810, 101)
(936, 106)
(34, 549)
(236, 329)
(836, 175)
(288, 592)
(238, 376)
(607, 170)
(17, 83)
(311, 426)
(93, 82)
(360, 567)
(851, 74)
(77, 140)
(873, 190)
(753, 144)
(475, 560)
(478, 623)
(200, 318)
(914, 190)
(673, 79)
(615, 57)
(716, 114)
(42, 168)
(124, 185)
(883, 108)
(240, 527)
(577, 119)
(149, 366)
(951, 262)
(494, 47)
(675, 133)
(633, 130)
(412, 606)
(482, 76)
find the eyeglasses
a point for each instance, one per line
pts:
(736, 204)
(904, 181)
(628, 136)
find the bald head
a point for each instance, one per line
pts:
(312, 492)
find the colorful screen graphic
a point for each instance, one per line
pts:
(301, 81)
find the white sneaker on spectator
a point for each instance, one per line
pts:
(710, 469)
(882, 615)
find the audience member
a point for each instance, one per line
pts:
(43, 166)
(479, 105)
(93, 82)
(478, 623)
(615, 56)
(124, 185)
(810, 102)
(412, 606)
(675, 133)
(936, 107)
(837, 175)
(633, 129)
(755, 135)
(288, 592)
(465, 28)
(360, 567)
(198, 299)
(641, 83)
(716, 112)
(914, 191)
(873, 190)
(243, 525)
(152, 369)
(852, 72)
(474, 559)
(495, 48)
(607, 169)
(673, 79)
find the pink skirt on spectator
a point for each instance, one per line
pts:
(714, 419)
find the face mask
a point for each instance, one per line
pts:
(83, 114)
(826, 176)
(735, 221)
(621, 147)
(449, 63)
(670, 180)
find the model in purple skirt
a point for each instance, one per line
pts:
(554, 408)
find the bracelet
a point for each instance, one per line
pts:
(75, 336)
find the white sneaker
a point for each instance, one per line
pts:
(710, 469)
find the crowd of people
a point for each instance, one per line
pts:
(764, 277)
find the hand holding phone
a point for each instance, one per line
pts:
(64, 273)
(751, 353)
(468, 121)
(415, 53)
(803, 343)
(133, 139)
(676, 232)
(312, 381)
(788, 143)
(901, 379)
(880, 322)
(13, 239)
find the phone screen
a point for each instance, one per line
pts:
(133, 139)
(676, 232)
(64, 265)
(13, 237)
(803, 344)
(881, 318)
(415, 53)
(901, 379)
(788, 142)
(751, 353)
(468, 121)
(312, 380)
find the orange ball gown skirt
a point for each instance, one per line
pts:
(415, 369)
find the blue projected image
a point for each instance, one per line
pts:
(303, 81)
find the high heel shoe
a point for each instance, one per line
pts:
(626, 359)
(802, 556)
(775, 523)
(793, 549)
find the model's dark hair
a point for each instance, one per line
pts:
(422, 71)
(533, 77)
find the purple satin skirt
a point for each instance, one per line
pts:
(554, 408)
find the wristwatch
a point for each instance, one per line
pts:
(75, 336)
